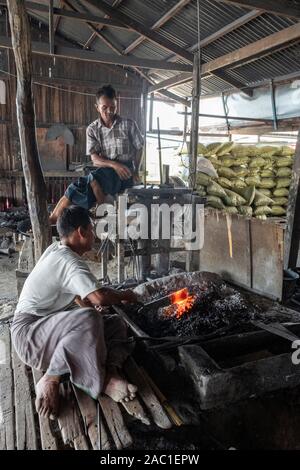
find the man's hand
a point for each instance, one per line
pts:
(82, 303)
(123, 172)
(106, 296)
(129, 296)
(136, 178)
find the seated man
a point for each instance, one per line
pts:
(115, 145)
(49, 335)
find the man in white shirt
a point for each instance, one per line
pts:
(48, 334)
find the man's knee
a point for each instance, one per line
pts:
(89, 316)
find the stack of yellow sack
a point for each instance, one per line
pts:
(252, 180)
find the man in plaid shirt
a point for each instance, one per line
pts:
(115, 145)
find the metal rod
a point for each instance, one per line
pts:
(195, 121)
(233, 118)
(145, 106)
(272, 89)
(51, 27)
(159, 152)
(225, 107)
(151, 112)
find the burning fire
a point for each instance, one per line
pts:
(182, 302)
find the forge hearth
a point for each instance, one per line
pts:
(234, 359)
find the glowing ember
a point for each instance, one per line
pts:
(181, 301)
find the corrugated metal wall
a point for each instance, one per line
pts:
(67, 98)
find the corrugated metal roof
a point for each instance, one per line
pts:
(182, 30)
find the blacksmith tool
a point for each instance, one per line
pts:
(165, 301)
(276, 329)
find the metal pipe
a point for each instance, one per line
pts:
(159, 152)
(233, 118)
(272, 89)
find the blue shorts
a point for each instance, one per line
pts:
(81, 194)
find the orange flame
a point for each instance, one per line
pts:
(183, 302)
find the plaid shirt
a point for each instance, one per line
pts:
(120, 142)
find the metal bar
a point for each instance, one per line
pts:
(273, 101)
(233, 118)
(276, 329)
(120, 241)
(51, 28)
(292, 232)
(144, 110)
(151, 112)
(159, 153)
(195, 121)
(226, 114)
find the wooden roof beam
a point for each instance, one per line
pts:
(134, 25)
(32, 6)
(91, 56)
(93, 36)
(155, 37)
(242, 55)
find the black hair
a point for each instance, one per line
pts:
(108, 91)
(71, 218)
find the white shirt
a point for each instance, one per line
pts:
(59, 275)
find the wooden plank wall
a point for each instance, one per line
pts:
(55, 102)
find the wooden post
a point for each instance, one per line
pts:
(195, 121)
(292, 232)
(34, 180)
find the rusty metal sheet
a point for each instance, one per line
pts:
(215, 255)
(53, 154)
(267, 257)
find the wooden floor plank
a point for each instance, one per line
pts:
(6, 391)
(69, 423)
(135, 409)
(146, 393)
(25, 425)
(115, 422)
(88, 410)
(48, 439)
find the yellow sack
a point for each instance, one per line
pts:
(280, 201)
(225, 148)
(267, 183)
(283, 183)
(225, 182)
(262, 210)
(282, 192)
(226, 172)
(203, 179)
(234, 199)
(214, 189)
(215, 201)
(278, 210)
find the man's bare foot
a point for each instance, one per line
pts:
(119, 389)
(47, 396)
